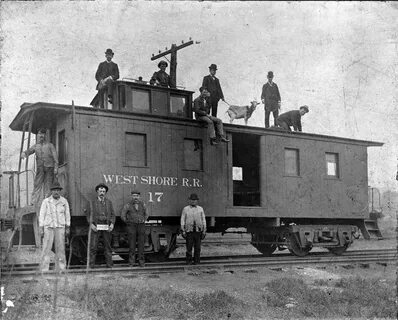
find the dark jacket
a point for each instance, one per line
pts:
(214, 87)
(132, 215)
(102, 213)
(271, 96)
(106, 69)
(200, 107)
(162, 78)
(291, 118)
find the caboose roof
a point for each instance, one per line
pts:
(46, 113)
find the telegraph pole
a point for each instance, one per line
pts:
(173, 58)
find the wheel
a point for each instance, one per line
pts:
(265, 248)
(295, 247)
(338, 250)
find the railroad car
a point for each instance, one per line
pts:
(291, 190)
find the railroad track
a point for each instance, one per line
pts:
(385, 257)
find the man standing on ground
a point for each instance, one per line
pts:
(193, 227)
(106, 74)
(134, 214)
(292, 118)
(46, 165)
(213, 86)
(54, 223)
(271, 98)
(101, 221)
(201, 108)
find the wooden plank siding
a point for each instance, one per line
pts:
(96, 147)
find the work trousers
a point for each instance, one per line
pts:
(107, 237)
(54, 236)
(214, 106)
(193, 240)
(44, 178)
(134, 231)
(211, 121)
(283, 125)
(275, 113)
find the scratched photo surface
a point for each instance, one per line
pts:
(340, 59)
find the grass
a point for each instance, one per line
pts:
(352, 297)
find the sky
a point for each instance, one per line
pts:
(339, 58)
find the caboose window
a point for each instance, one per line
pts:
(136, 150)
(61, 147)
(140, 100)
(177, 106)
(292, 163)
(193, 154)
(332, 165)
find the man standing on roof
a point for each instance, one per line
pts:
(201, 107)
(271, 98)
(292, 118)
(54, 223)
(106, 74)
(101, 221)
(213, 86)
(46, 165)
(161, 78)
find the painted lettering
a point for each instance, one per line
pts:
(126, 179)
(173, 181)
(144, 180)
(108, 178)
(196, 183)
(135, 179)
(185, 182)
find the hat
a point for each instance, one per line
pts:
(42, 130)
(270, 74)
(163, 62)
(213, 66)
(305, 108)
(109, 51)
(135, 192)
(202, 88)
(193, 196)
(101, 185)
(55, 186)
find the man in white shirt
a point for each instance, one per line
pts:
(193, 227)
(54, 223)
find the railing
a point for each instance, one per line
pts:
(374, 200)
(15, 192)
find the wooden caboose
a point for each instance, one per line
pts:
(288, 189)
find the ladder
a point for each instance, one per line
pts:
(370, 228)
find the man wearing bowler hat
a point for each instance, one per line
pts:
(134, 214)
(213, 86)
(292, 118)
(101, 221)
(193, 227)
(106, 74)
(161, 78)
(54, 223)
(271, 98)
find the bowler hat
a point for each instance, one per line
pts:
(55, 186)
(162, 62)
(270, 74)
(109, 51)
(135, 192)
(213, 66)
(305, 108)
(101, 185)
(193, 196)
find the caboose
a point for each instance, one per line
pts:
(287, 189)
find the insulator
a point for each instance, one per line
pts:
(165, 48)
(190, 38)
(160, 51)
(182, 41)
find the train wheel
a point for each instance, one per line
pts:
(338, 250)
(294, 246)
(266, 249)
